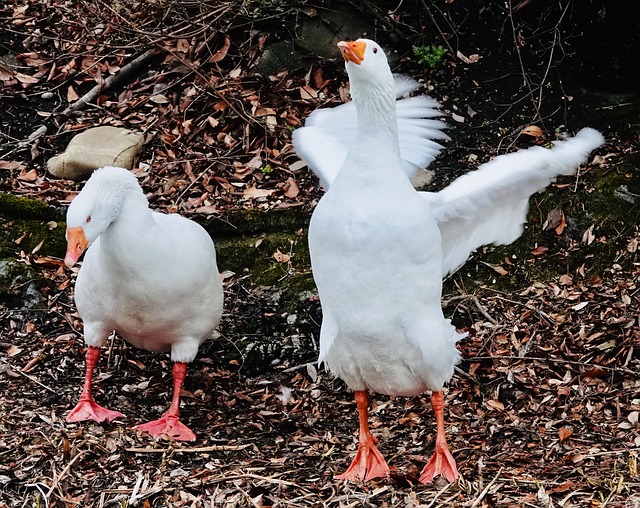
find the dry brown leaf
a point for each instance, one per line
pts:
(281, 257)
(264, 112)
(539, 250)
(29, 176)
(13, 350)
(532, 130)
(566, 280)
(182, 45)
(10, 165)
(222, 52)
(291, 189)
(25, 80)
(495, 404)
(307, 92)
(72, 95)
(207, 210)
(5, 73)
(252, 192)
(471, 59)
(565, 433)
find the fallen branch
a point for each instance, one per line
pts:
(202, 449)
(486, 489)
(132, 68)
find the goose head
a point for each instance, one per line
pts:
(368, 67)
(96, 207)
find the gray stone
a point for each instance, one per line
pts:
(94, 148)
(320, 34)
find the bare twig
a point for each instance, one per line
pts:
(126, 72)
(530, 307)
(201, 449)
(516, 45)
(486, 489)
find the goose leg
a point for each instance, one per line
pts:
(87, 409)
(442, 462)
(169, 423)
(368, 462)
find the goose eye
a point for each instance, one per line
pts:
(88, 219)
(375, 50)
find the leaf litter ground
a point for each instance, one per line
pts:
(543, 411)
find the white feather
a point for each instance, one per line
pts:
(328, 133)
(489, 205)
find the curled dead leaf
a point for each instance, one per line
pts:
(281, 257)
(222, 52)
(291, 189)
(532, 130)
(565, 433)
(72, 95)
(471, 59)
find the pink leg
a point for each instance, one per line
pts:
(368, 462)
(87, 409)
(442, 462)
(169, 423)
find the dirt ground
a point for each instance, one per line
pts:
(543, 410)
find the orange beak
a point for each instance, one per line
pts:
(76, 245)
(353, 51)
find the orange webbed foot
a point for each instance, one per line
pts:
(168, 425)
(88, 409)
(367, 464)
(441, 463)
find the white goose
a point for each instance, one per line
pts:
(151, 277)
(379, 251)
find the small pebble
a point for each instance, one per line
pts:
(47, 95)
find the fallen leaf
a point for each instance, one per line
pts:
(539, 250)
(306, 93)
(29, 176)
(471, 59)
(222, 52)
(13, 350)
(297, 166)
(182, 45)
(10, 165)
(252, 192)
(565, 433)
(71, 94)
(495, 404)
(159, 99)
(588, 237)
(25, 79)
(566, 280)
(281, 257)
(532, 130)
(563, 224)
(291, 189)
(207, 210)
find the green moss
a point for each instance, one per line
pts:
(27, 208)
(15, 279)
(296, 291)
(34, 232)
(255, 254)
(253, 222)
(610, 206)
